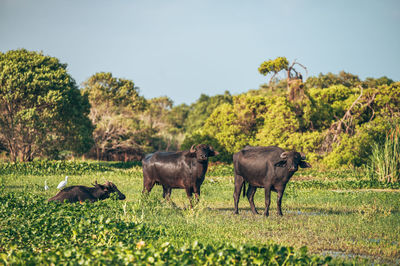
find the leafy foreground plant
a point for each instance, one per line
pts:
(34, 232)
(142, 253)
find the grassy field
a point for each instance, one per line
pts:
(338, 214)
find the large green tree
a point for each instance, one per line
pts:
(104, 89)
(42, 111)
(116, 105)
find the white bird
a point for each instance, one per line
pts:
(46, 187)
(63, 183)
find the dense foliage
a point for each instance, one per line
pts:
(336, 119)
(42, 111)
(127, 125)
(334, 125)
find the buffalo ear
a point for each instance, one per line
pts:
(304, 164)
(280, 164)
(303, 156)
(189, 154)
(107, 186)
(102, 187)
(212, 152)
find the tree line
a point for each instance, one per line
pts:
(333, 118)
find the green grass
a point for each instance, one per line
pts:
(329, 220)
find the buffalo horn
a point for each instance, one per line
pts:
(284, 155)
(193, 149)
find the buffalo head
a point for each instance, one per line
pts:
(107, 189)
(292, 160)
(202, 152)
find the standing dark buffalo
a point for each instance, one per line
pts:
(182, 169)
(83, 193)
(265, 167)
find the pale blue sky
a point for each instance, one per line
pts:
(182, 48)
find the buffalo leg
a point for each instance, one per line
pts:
(166, 192)
(279, 200)
(236, 193)
(267, 199)
(250, 196)
(147, 185)
(189, 193)
(197, 193)
(268, 186)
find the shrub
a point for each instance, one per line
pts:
(355, 150)
(279, 123)
(385, 158)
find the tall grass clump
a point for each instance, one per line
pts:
(385, 158)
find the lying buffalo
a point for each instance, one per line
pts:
(92, 194)
(265, 167)
(182, 169)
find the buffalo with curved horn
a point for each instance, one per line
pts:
(265, 167)
(181, 169)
